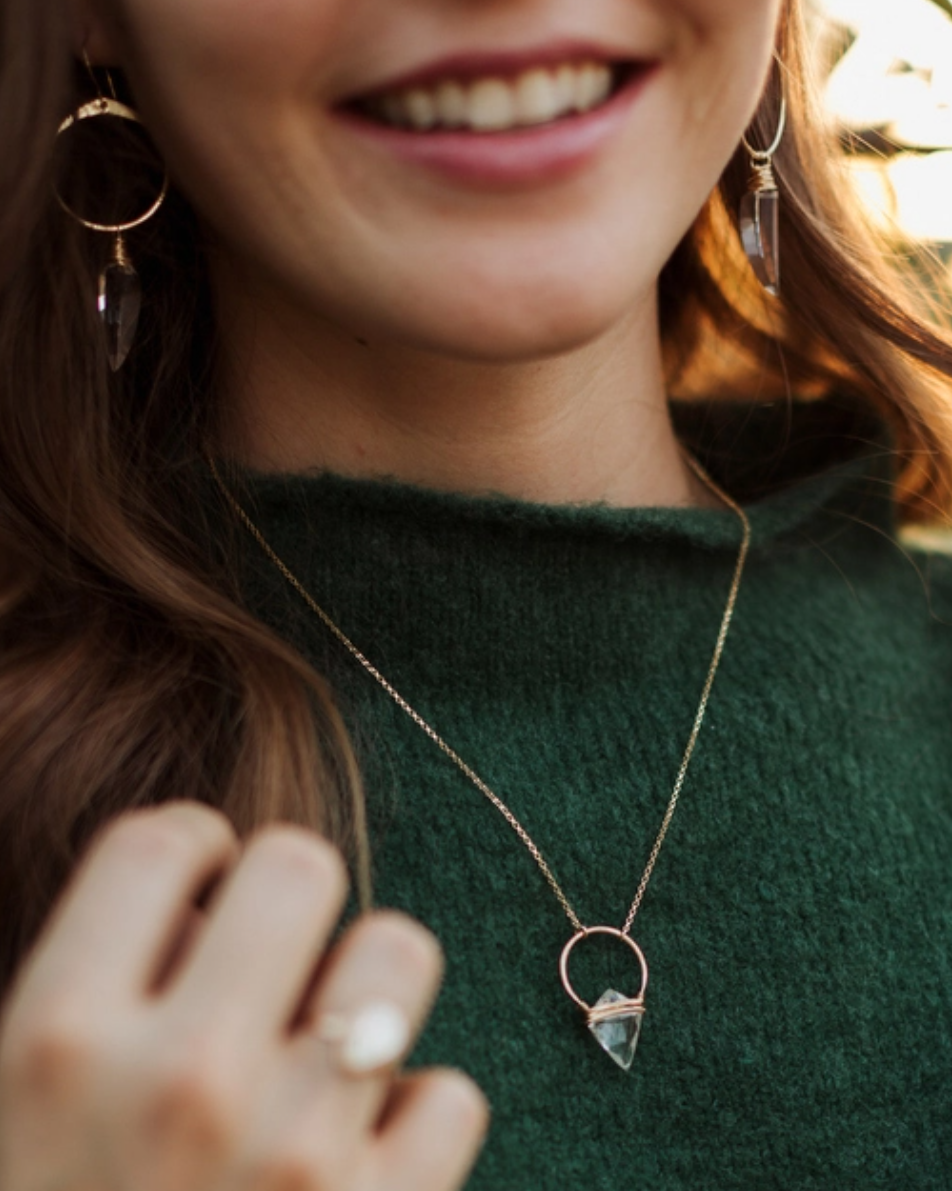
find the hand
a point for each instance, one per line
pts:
(148, 1047)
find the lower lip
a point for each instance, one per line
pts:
(520, 157)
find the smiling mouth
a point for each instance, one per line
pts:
(534, 98)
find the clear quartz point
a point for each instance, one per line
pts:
(120, 303)
(619, 1035)
(760, 233)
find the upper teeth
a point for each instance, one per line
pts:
(494, 105)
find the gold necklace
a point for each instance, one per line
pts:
(615, 1019)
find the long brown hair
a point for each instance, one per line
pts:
(129, 672)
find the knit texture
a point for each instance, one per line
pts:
(798, 928)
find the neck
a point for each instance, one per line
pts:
(591, 425)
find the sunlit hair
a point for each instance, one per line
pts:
(129, 672)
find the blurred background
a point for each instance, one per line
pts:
(888, 65)
(890, 93)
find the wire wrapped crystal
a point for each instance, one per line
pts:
(119, 304)
(616, 1023)
(760, 233)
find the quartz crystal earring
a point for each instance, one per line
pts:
(119, 297)
(760, 212)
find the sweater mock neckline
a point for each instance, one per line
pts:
(784, 462)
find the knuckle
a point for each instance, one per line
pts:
(144, 835)
(177, 832)
(302, 857)
(47, 1056)
(464, 1100)
(404, 942)
(197, 818)
(292, 1170)
(191, 1107)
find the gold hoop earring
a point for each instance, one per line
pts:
(119, 293)
(760, 211)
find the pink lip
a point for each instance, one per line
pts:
(522, 157)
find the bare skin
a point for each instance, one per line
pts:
(571, 429)
(382, 319)
(377, 319)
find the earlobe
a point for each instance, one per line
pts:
(94, 32)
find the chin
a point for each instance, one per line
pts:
(502, 342)
(513, 324)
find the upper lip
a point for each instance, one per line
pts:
(501, 64)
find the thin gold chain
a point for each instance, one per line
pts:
(458, 761)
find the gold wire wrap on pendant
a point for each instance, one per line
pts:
(119, 293)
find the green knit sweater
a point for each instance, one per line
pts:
(799, 924)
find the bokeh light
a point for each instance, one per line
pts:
(891, 87)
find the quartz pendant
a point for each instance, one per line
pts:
(120, 303)
(616, 1024)
(616, 1019)
(760, 232)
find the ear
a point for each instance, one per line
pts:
(94, 31)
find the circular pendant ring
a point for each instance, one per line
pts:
(615, 934)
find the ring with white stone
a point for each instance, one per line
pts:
(370, 1039)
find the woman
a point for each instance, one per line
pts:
(443, 305)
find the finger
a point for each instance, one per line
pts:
(430, 1134)
(191, 926)
(375, 993)
(121, 914)
(265, 932)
